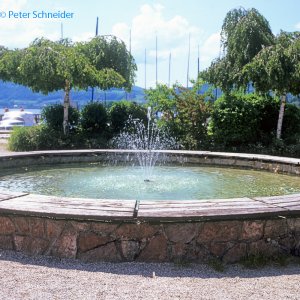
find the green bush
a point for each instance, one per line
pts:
(20, 139)
(42, 137)
(291, 125)
(94, 118)
(189, 125)
(121, 111)
(33, 138)
(53, 115)
(240, 119)
(184, 113)
(93, 142)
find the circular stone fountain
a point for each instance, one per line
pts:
(147, 230)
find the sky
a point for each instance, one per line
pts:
(171, 22)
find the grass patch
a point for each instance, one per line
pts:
(181, 263)
(256, 261)
(216, 264)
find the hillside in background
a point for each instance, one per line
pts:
(12, 95)
(17, 95)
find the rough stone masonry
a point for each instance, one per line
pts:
(91, 241)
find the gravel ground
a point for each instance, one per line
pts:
(25, 277)
(3, 146)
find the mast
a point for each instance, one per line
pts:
(188, 63)
(169, 69)
(130, 41)
(145, 68)
(198, 61)
(198, 70)
(156, 60)
(97, 23)
(97, 26)
(126, 93)
(61, 31)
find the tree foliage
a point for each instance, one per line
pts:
(107, 52)
(244, 33)
(47, 66)
(253, 54)
(277, 67)
(120, 112)
(240, 119)
(161, 98)
(2, 50)
(191, 119)
(53, 116)
(94, 118)
(184, 113)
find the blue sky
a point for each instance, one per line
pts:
(172, 21)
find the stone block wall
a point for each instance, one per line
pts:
(91, 241)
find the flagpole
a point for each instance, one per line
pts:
(61, 31)
(97, 24)
(126, 93)
(156, 60)
(169, 69)
(145, 68)
(198, 69)
(130, 41)
(188, 64)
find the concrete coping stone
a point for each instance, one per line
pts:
(259, 157)
(110, 210)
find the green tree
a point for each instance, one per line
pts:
(162, 101)
(184, 113)
(46, 66)
(244, 33)
(108, 52)
(161, 98)
(277, 68)
(9, 64)
(191, 118)
(2, 50)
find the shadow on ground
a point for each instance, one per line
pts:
(204, 271)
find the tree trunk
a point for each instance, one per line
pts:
(66, 107)
(280, 117)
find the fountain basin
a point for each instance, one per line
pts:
(129, 230)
